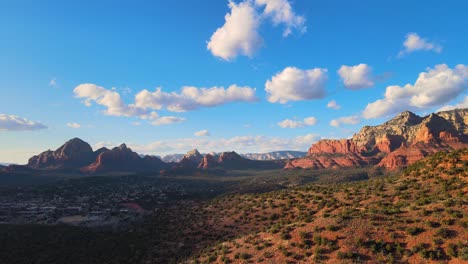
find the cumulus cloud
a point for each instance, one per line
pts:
(461, 105)
(333, 105)
(16, 123)
(414, 42)
(348, 120)
(167, 120)
(202, 133)
(288, 123)
(293, 84)
(111, 100)
(356, 77)
(240, 33)
(240, 144)
(281, 12)
(73, 125)
(191, 98)
(432, 88)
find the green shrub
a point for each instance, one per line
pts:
(414, 231)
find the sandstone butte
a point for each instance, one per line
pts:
(394, 144)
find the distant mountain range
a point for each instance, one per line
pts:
(172, 158)
(392, 145)
(77, 156)
(274, 155)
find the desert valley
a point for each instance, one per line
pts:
(392, 193)
(233, 132)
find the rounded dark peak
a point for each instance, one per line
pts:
(229, 155)
(123, 146)
(76, 140)
(74, 145)
(101, 150)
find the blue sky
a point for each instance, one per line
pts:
(258, 75)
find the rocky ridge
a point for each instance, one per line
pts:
(396, 143)
(123, 159)
(74, 153)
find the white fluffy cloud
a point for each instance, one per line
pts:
(240, 33)
(432, 88)
(414, 42)
(293, 84)
(202, 133)
(73, 125)
(167, 120)
(333, 105)
(281, 12)
(191, 98)
(356, 77)
(240, 144)
(288, 123)
(461, 105)
(111, 100)
(348, 120)
(16, 123)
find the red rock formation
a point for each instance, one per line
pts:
(394, 144)
(194, 156)
(407, 155)
(123, 159)
(186, 163)
(447, 137)
(335, 146)
(424, 134)
(73, 154)
(208, 162)
(320, 161)
(388, 143)
(232, 160)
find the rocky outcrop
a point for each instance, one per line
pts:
(194, 156)
(101, 150)
(409, 154)
(332, 146)
(207, 162)
(123, 159)
(190, 160)
(232, 160)
(458, 118)
(73, 154)
(394, 144)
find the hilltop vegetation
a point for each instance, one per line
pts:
(418, 215)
